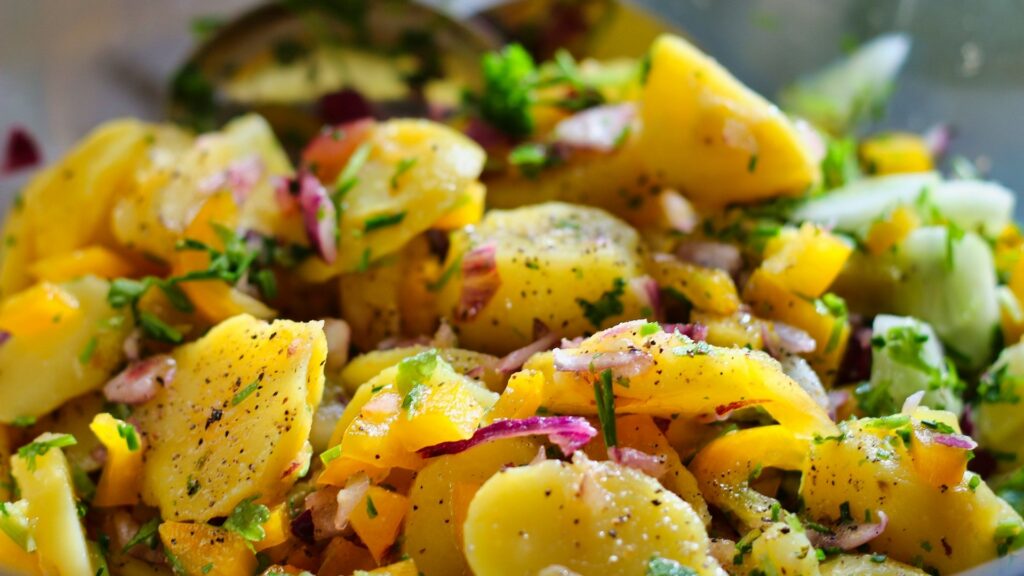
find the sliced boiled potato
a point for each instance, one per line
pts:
(234, 421)
(244, 158)
(441, 495)
(873, 565)
(415, 172)
(205, 549)
(67, 205)
(466, 362)
(693, 108)
(588, 517)
(571, 268)
(45, 483)
(65, 342)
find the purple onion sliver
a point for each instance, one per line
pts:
(568, 432)
(849, 536)
(319, 216)
(955, 441)
(4, 337)
(20, 151)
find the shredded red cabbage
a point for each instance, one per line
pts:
(569, 433)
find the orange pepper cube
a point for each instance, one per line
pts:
(378, 518)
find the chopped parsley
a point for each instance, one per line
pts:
(157, 329)
(415, 370)
(404, 165)
(30, 451)
(247, 520)
(607, 306)
(244, 393)
(650, 328)
(147, 535)
(509, 76)
(24, 421)
(371, 508)
(658, 566)
(532, 158)
(836, 307)
(999, 387)
(974, 482)
(330, 455)
(383, 221)
(839, 166)
(87, 352)
(131, 437)
(604, 396)
(349, 176)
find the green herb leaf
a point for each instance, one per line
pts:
(404, 165)
(530, 159)
(349, 176)
(509, 77)
(607, 306)
(40, 447)
(131, 437)
(658, 566)
(24, 421)
(331, 454)
(90, 348)
(383, 221)
(415, 370)
(157, 329)
(604, 397)
(835, 306)
(371, 509)
(247, 519)
(244, 393)
(147, 535)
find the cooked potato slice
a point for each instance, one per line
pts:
(869, 467)
(63, 344)
(234, 421)
(205, 549)
(671, 375)
(858, 565)
(415, 172)
(590, 517)
(441, 495)
(67, 205)
(566, 266)
(693, 108)
(44, 478)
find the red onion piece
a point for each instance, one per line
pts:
(344, 105)
(694, 331)
(600, 128)
(856, 364)
(646, 291)
(955, 441)
(487, 136)
(323, 507)
(20, 151)
(515, 359)
(140, 381)
(567, 432)
(286, 192)
(319, 216)
(649, 464)
(626, 363)
(938, 139)
(780, 338)
(4, 337)
(722, 411)
(480, 281)
(240, 177)
(711, 255)
(303, 527)
(849, 536)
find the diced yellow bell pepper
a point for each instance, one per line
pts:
(341, 556)
(521, 398)
(738, 330)
(445, 410)
(122, 473)
(370, 438)
(891, 230)
(806, 261)
(377, 519)
(895, 153)
(214, 299)
(94, 260)
(277, 529)
(205, 549)
(769, 299)
(638, 431)
(403, 568)
(468, 210)
(37, 309)
(708, 289)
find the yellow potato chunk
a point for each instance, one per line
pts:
(416, 171)
(712, 137)
(850, 565)
(440, 496)
(67, 205)
(204, 549)
(45, 482)
(589, 517)
(895, 153)
(63, 344)
(234, 421)
(671, 375)
(569, 267)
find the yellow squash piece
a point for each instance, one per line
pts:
(198, 549)
(895, 153)
(66, 340)
(234, 421)
(572, 515)
(45, 482)
(671, 375)
(440, 496)
(93, 260)
(67, 206)
(693, 108)
(122, 473)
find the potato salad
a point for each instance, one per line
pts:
(601, 318)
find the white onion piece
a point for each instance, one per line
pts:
(711, 255)
(140, 381)
(601, 128)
